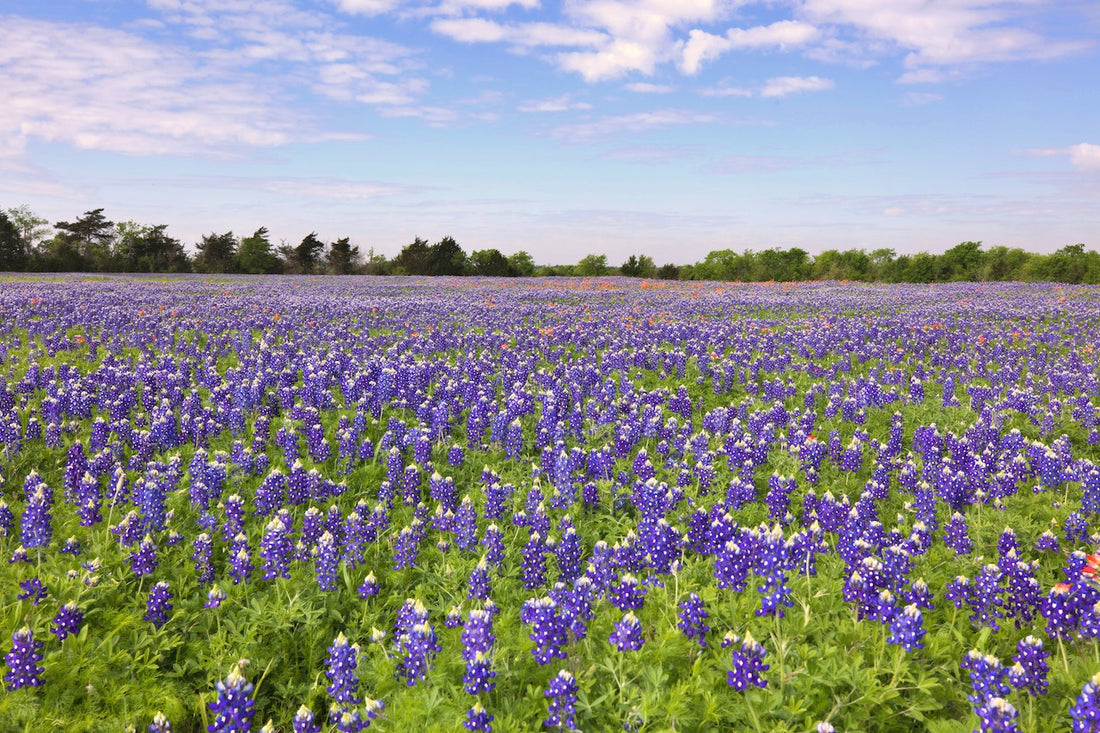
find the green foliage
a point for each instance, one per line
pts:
(256, 256)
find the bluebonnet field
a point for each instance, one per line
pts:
(562, 504)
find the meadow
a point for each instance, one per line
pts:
(327, 504)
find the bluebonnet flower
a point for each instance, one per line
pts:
(232, 708)
(1030, 669)
(240, 560)
(214, 597)
(416, 641)
(1047, 541)
(693, 618)
(37, 529)
(369, 587)
(919, 594)
(956, 535)
(143, 561)
(627, 595)
(341, 664)
(548, 629)
(33, 589)
(906, 628)
(203, 556)
(477, 645)
(7, 519)
(276, 550)
(305, 721)
(23, 659)
(987, 677)
(748, 662)
(985, 604)
(1086, 710)
(1061, 610)
(562, 693)
(464, 525)
(568, 552)
(997, 715)
(477, 719)
(731, 566)
(71, 547)
(534, 562)
(160, 724)
(958, 590)
(159, 604)
(628, 633)
(67, 621)
(326, 557)
(478, 586)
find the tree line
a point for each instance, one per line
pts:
(92, 243)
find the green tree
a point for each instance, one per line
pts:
(92, 236)
(376, 264)
(592, 266)
(32, 228)
(1003, 263)
(307, 254)
(669, 271)
(639, 266)
(961, 262)
(447, 258)
(13, 252)
(343, 258)
(489, 263)
(256, 256)
(522, 264)
(414, 258)
(217, 253)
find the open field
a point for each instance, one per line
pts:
(606, 504)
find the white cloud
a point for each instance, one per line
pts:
(563, 103)
(917, 99)
(330, 189)
(702, 46)
(783, 86)
(522, 35)
(646, 88)
(368, 7)
(104, 89)
(461, 7)
(1082, 156)
(943, 32)
(632, 123)
(726, 91)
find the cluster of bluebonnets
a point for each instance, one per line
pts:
(608, 504)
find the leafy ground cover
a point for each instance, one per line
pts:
(598, 505)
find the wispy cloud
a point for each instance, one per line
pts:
(642, 87)
(784, 86)
(702, 46)
(632, 123)
(1082, 156)
(562, 103)
(917, 99)
(107, 89)
(943, 33)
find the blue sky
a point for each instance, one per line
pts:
(663, 127)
